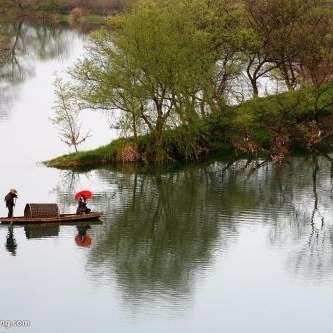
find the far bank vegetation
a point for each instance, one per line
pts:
(75, 9)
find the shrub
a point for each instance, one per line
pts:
(76, 15)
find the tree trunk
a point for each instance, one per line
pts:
(289, 78)
(255, 91)
(159, 150)
(135, 132)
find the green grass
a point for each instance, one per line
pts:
(90, 19)
(100, 156)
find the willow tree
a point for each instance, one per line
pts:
(154, 66)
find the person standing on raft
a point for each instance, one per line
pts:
(10, 199)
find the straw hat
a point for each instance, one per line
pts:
(13, 190)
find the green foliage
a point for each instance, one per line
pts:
(293, 36)
(102, 155)
(186, 142)
(99, 7)
(48, 5)
(169, 67)
(150, 67)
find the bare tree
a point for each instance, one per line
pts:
(66, 116)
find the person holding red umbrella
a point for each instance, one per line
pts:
(82, 203)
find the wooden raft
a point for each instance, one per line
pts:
(49, 213)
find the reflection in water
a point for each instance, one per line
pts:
(44, 231)
(163, 230)
(83, 238)
(67, 186)
(11, 244)
(21, 46)
(49, 230)
(187, 243)
(314, 258)
(167, 228)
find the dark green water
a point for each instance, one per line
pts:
(199, 249)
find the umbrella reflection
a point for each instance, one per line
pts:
(11, 244)
(82, 238)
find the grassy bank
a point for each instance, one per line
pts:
(271, 127)
(89, 19)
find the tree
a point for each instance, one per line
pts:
(44, 6)
(66, 116)
(157, 66)
(10, 9)
(315, 61)
(283, 31)
(257, 61)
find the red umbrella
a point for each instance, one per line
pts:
(87, 193)
(84, 241)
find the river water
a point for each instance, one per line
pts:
(200, 248)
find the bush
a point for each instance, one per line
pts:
(76, 15)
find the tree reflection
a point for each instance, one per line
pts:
(162, 235)
(314, 259)
(72, 181)
(21, 45)
(162, 230)
(13, 66)
(294, 200)
(67, 187)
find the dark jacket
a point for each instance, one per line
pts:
(82, 206)
(9, 198)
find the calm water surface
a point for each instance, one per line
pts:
(197, 249)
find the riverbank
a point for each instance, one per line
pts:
(270, 127)
(74, 13)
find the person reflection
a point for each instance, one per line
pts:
(82, 238)
(11, 244)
